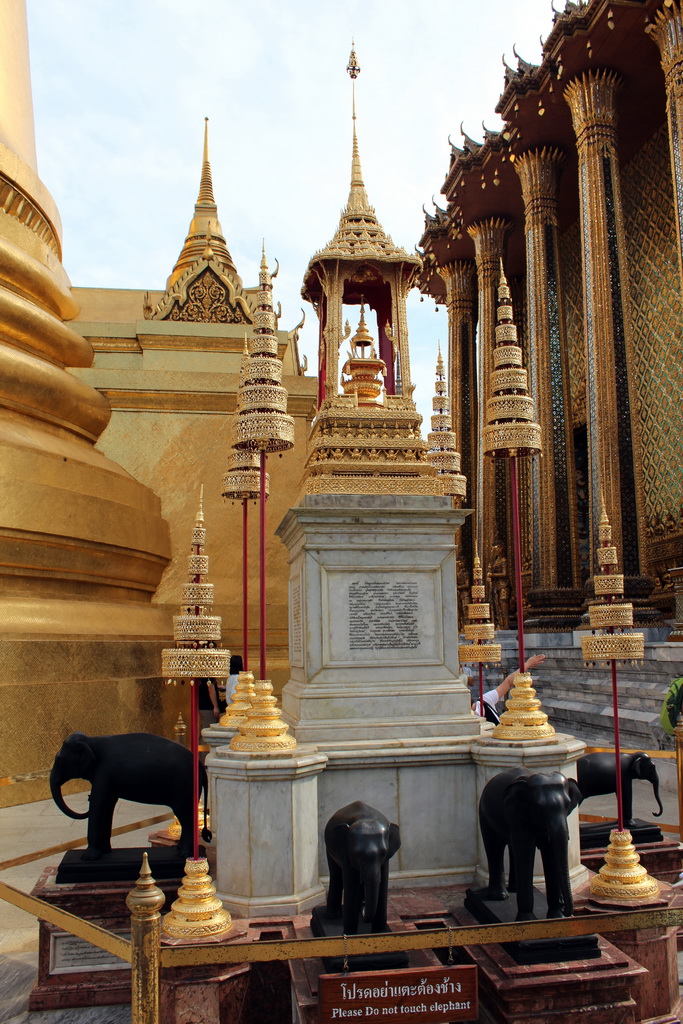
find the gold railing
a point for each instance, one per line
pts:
(146, 955)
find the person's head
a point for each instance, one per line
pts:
(235, 664)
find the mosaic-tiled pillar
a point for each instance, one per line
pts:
(489, 238)
(613, 443)
(554, 544)
(461, 300)
(667, 32)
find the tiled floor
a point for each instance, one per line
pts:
(36, 827)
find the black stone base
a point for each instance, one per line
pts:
(595, 835)
(530, 951)
(121, 865)
(324, 927)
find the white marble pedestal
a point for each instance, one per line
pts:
(373, 636)
(265, 822)
(492, 756)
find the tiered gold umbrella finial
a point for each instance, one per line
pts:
(479, 631)
(197, 913)
(261, 423)
(511, 432)
(198, 653)
(443, 451)
(622, 878)
(510, 429)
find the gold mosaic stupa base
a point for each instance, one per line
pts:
(264, 732)
(622, 876)
(523, 718)
(197, 913)
(240, 703)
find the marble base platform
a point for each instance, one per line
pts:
(265, 824)
(428, 787)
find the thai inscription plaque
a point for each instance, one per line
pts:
(414, 996)
(383, 615)
(72, 955)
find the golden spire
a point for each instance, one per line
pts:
(205, 229)
(443, 453)
(360, 235)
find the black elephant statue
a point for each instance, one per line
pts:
(359, 842)
(134, 766)
(526, 811)
(597, 774)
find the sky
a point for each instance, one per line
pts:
(121, 89)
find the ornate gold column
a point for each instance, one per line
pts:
(489, 238)
(554, 542)
(667, 32)
(613, 441)
(460, 280)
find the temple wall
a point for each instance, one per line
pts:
(658, 344)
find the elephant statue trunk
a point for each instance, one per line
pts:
(58, 776)
(655, 790)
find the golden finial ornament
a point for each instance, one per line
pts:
(479, 631)
(613, 617)
(264, 731)
(622, 878)
(241, 701)
(353, 67)
(443, 453)
(523, 718)
(197, 913)
(510, 429)
(261, 423)
(197, 654)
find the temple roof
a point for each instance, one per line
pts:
(204, 225)
(359, 235)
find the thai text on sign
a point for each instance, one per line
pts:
(415, 995)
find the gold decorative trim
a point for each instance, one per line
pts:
(197, 913)
(622, 876)
(523, 718)
(263, 731)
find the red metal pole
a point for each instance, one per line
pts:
(517, 543)
(481, 690)
(245, 585)
(617, 746)
(262, 580)
(194, 742)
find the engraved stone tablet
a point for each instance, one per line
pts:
(296, 652)
(71, 955)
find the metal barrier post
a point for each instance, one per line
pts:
(144, 902)
(678, 732)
